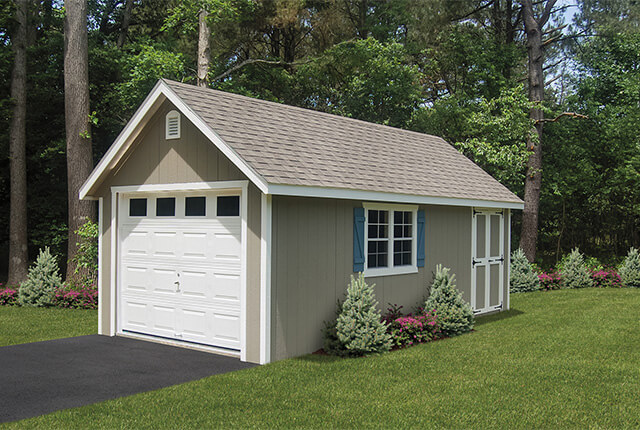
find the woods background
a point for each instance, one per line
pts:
(460, 69)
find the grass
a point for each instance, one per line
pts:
(565, 359)
(22, 325)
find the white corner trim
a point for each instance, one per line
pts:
(160, 92)
(380, 196)
(507, 259)
(265, 278)
(100, 254)
(244, 213)
(114, 261)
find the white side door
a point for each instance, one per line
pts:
(487, 260)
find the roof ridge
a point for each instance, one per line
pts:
(307, 110)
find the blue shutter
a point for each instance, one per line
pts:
(421, 239)
(358, 239)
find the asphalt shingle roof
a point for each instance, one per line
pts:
(295, 146)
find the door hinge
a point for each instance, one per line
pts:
(474, 262)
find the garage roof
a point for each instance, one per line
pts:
(291, 150)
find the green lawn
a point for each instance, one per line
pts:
(567, 359)
(22, 325)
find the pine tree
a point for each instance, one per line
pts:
(523, 277)
(574, 271)
(42, 282)
(454, 315)
(630, 269)
(358, 326)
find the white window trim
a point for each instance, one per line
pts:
(171, 115)
(391, 270)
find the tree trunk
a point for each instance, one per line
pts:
(76, 110)
(533, 179)
(126, 19)
(204, 33)
(18, 255)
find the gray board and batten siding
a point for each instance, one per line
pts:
(312, 260)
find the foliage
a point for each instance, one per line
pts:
(358, 325)
(574, 271)
(394, 312)
(630, 269)
(550, 281)
(606, 278)
(77, 297)
(42, 281)
(87, 255)
(454, 314)
(8, 296)
(364, 79)
(523, 276)
(410, 329)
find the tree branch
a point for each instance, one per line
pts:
(546, 13)
(258, 61)
(562, 115)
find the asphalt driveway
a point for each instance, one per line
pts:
(42, 377)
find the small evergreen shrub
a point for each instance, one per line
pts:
(358, 327)
(42, 281)
(523, 276)
(8, 296)
(454, 315)
(574, 271)
(630, 269)
(550, 281)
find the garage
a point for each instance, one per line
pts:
(180, 266)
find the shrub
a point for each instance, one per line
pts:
(42, 281)
(86, 257)
(574, 271)
(407, 330)
(604, 278)
(77, 297)
(454, 315)
(550, 281)
(630, 269)
(358, 327)
(393, 313)
(523, 276)
(8, 296)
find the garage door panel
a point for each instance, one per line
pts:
(179, 277)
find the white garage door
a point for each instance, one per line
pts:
(180, 266)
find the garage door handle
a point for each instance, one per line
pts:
(177, 283)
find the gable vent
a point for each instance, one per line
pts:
(172, 126)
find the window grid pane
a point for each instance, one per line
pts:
(402, 234)
(378, 235)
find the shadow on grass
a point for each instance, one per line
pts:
(498, 316)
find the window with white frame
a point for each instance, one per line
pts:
(390, 233)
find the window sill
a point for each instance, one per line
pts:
(388, 271)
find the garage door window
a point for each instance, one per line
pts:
(195, 206)
(138, 207)
(166, 206)
(228, 206)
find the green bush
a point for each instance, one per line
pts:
(86, 257)
(453, 313)
(358, 326)
(575, 273)
(42, 282)
(630, 269)
(523, 276)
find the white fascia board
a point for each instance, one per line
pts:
(160, 92)
(378, 196)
